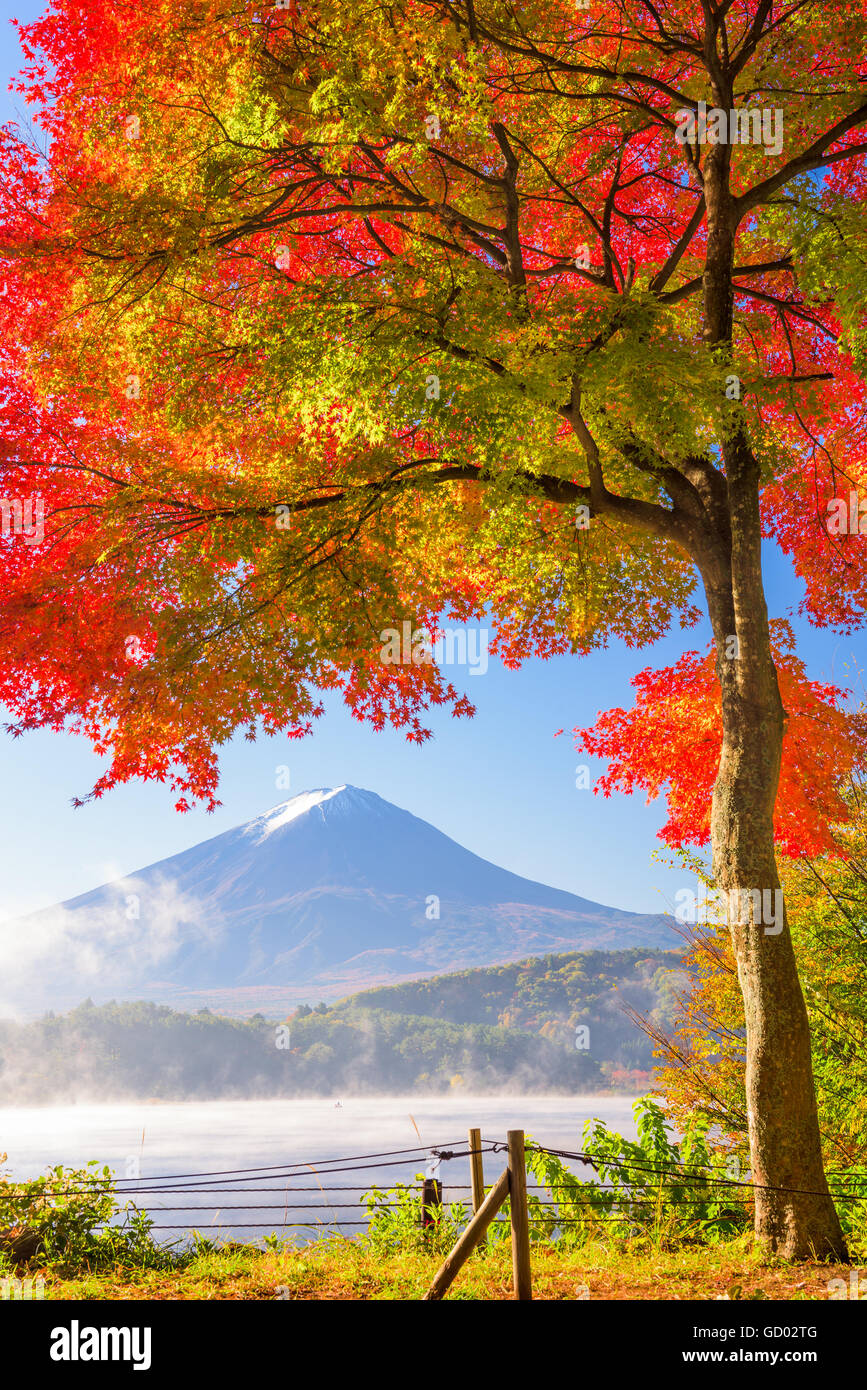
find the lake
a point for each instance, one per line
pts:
(154, 1147)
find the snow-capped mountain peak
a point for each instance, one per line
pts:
(329, 892)
(290, 810)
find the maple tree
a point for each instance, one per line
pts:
(322, 317)
(678, 708)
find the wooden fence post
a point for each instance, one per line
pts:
(517, 1170)
(458, 1256)
(431, 1199)
(477, 1175)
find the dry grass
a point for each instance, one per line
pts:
(344, 1270)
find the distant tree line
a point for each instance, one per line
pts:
(544, 1025)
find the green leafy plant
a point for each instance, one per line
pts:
(396, 1219)
(652, 1186)
(68, 1218)
(852, 1181)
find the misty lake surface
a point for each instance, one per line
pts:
(154, 1147)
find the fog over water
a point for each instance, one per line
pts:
(149, 1141)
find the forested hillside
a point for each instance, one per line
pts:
(552, 995)
(541, 1025)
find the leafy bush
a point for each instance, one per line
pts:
(396, 1220)
(651, 1186)
(62, 1219)
(852, 1208)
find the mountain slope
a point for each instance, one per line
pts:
(333, 890)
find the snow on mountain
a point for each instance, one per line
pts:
(332, 891)
(278, 816)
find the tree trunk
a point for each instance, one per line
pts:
(795, 1215)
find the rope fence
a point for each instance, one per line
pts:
(633, 1192)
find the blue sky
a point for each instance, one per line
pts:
(500, 784)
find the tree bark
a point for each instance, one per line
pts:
(795, 1215)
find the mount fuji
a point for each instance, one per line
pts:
(333, 891)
